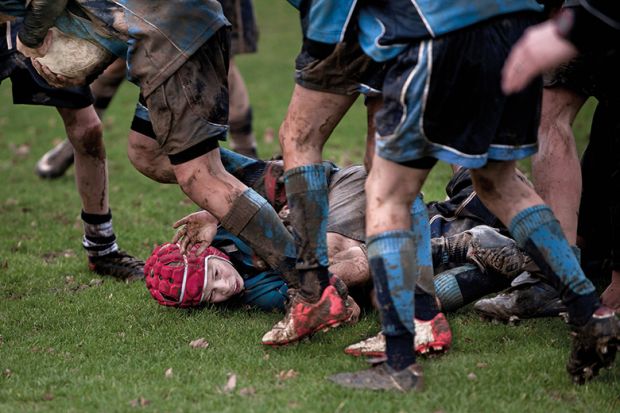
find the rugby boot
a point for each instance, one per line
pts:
(484, 247)
(303, 318)
(522, 302)
(119, 265)
(431, 337)
(383, 377)
(594, 345)
(56, 161)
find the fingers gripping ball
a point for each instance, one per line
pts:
(73, 57)
(178, 280)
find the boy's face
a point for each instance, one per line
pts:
(223, 280)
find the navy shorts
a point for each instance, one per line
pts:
(443, 100)
(27, 86)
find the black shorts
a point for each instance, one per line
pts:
(244, 35)
(589, 74)
(28, 87)
(442, 99)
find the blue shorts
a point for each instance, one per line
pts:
(27, 86)
(443, 100)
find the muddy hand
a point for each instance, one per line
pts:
(197, 228)
(55, 79)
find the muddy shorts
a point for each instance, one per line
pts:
(347, 203)
(442, 99)
(28, 87)
(189, 111)
(244, 35)
(345, 71)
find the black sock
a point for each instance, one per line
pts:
(425, 306)
(399, 351)
(99, 238)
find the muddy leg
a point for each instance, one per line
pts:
(310, 119)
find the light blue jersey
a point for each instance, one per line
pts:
(386, 26)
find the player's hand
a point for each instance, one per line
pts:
(37, 51)
(540, 49)
(55, 79)
(197, 228)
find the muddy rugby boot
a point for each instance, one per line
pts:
(382, 377)
(484, 247)
(594, 345)
(303, 319)
(431, 337)
(522, 302)
(56, 161)
(119, 265)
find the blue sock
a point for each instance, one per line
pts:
(252, 219)
(425, 306)
(391, 256)
(462, 285)
(538, 232)
(234, 162)
(306, 192)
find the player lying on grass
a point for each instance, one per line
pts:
(471, 258)
(182, 76)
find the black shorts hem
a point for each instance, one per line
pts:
(195, 151)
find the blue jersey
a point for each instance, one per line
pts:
(325, 21)
(264, 289)
(386, 26)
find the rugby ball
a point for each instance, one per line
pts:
(74, 57)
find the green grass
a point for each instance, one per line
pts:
(102, 347)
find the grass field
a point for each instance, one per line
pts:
(68, 343)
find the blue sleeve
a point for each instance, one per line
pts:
(328, 20)
(266, 291)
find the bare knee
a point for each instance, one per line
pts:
(84, 131)
(147, 157)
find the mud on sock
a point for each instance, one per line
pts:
(306, 192)
(255, 221)
(99, 238)
(538, 232)
(391, 258)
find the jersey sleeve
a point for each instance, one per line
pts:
(39, 18)
(266, 291)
